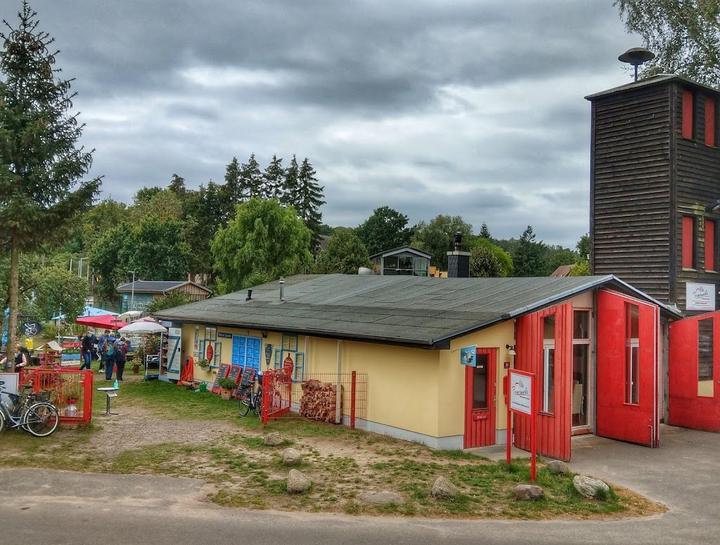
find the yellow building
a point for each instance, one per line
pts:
(406, 334)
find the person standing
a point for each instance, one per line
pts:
(86, 351)
(121, 349)
(101, 349)
(110, 356)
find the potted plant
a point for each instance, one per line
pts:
(205, 364)
(226, 387)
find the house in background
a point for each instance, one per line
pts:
(405, 261)
(137, 295)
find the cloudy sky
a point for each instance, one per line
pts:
(469, 107)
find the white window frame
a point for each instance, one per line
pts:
(548, 345)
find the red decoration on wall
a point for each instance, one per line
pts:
(209, 353)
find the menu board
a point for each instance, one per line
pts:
(234, 373)
(222, 373)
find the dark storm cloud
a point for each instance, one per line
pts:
(432, 106)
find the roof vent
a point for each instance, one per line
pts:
(636, 56)
(457, 241)
(365, 271)
(249, 295)
(282, 288)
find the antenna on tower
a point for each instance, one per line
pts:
(636, 56)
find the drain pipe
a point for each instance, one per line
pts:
(338, 386)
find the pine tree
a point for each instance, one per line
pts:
(290, 183)
(41, 165)
(232, 188)
(177, 185)
(251, 179)
(272, 184)
(309, 199)
(528, 256)
(485, 231)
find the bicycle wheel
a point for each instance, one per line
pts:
(2, 421)
(257, 402)
(41, 419)
(244, 401)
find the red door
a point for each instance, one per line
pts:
(694, 369)
(480, 399)
(627, 369)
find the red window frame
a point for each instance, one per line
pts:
(688, 114)
(688, 242)
(710, 121)
(709, 245)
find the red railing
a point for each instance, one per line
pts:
(71, 391)
(277, 394)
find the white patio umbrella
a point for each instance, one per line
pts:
(130, 314)
(141, 327)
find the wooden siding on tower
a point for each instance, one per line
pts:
(697, 187)
(630, 188)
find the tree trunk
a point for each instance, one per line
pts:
(14, 288)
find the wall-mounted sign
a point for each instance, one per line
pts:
(268, 353)
(468, 355)
(699, 296)
(520, 392)
(223, 335)
(31, 328)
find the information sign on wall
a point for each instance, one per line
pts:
(699, 296)
(468, 356)
(520, 392)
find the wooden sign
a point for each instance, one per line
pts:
(234, 373)
(223, 371)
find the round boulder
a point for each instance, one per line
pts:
(384, 497)
(273, 439)
(589, 487)
(291, 457)
(529, 492)
(557, 467)
(443, 489)
(297, 482)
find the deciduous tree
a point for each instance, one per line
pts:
(385, 229)
(345, 253)
(489, 260)
(436, 237)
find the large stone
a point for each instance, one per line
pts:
(443, 489)
(273, 439)
(557, 467)
(297, 482)
(528, 492)
(384, 497)
(589, 487)
(291, 457)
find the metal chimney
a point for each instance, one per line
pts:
(282, 289)
(458, 261)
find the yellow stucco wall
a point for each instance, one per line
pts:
(451, 406)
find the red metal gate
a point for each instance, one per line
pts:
(277, 394)
(553, 426)
(71, 391)
(627, 369)
(694, 395)
(480, 400)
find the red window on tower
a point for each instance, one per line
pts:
(709, 245)
(687, 114)
(688, 242)
(709, 121)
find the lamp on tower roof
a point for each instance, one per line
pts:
(636, 56)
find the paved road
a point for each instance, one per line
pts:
(50, 507)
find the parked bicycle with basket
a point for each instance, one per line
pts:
(32, 412)
(250, 393)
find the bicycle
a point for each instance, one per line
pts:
(250, 399)
(31, 412)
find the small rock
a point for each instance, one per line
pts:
(589, 487)
(384, 497)
(443, 489)
(297, 482)
(557, 467)
(273, 439)
(291, 457)
(528, 492)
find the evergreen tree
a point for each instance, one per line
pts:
(251, 180)
(484, 231)
(273, 176)
(232, 188)
(177, 185)
(309, 199)
(528, 256)
(41, 165)
(290, 183)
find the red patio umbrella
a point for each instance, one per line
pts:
(104, 321)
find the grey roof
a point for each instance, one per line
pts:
(401, 249)
(399, 309)
(654, 80)
(155, 286)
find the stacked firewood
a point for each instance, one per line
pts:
(318, 400)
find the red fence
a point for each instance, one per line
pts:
(277, 394)
(71, 391)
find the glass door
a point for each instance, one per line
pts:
(581, 367)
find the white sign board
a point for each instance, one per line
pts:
(520, 392)
(11, 382)
(699, 296)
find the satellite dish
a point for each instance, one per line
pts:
(636, 56)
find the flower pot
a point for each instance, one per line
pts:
(225, 394)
